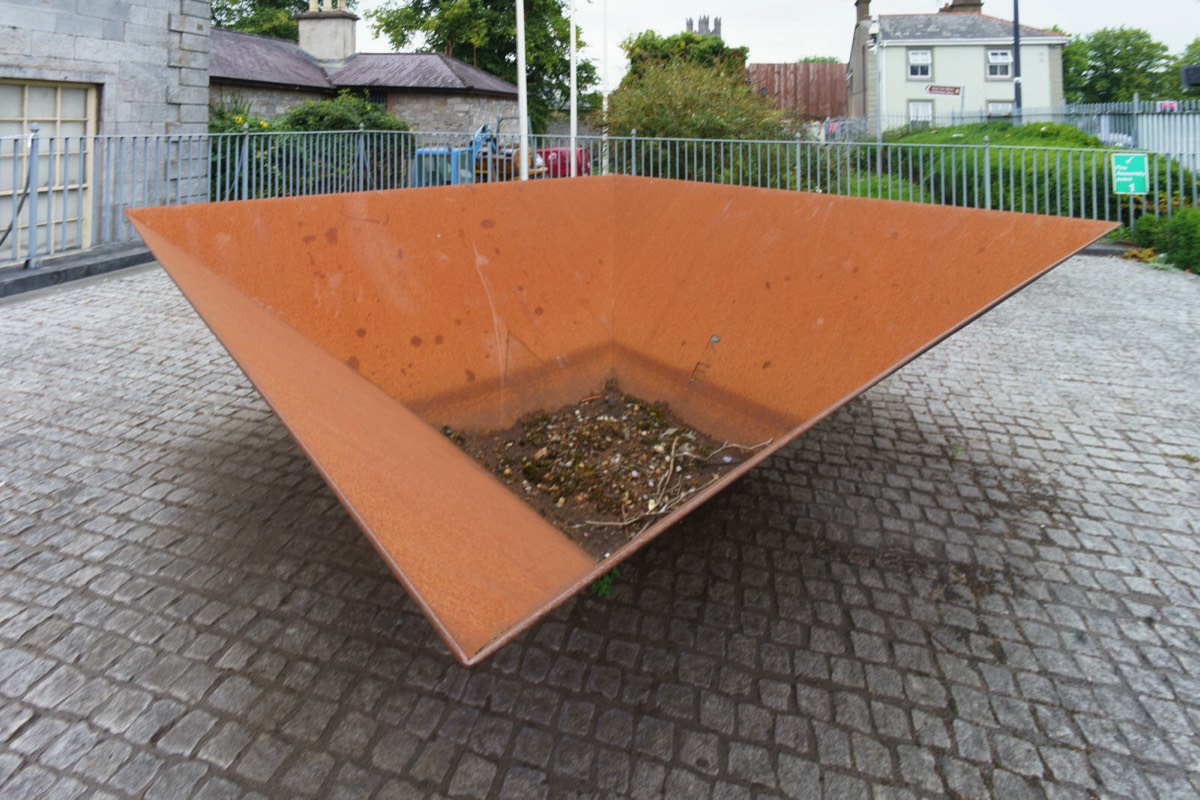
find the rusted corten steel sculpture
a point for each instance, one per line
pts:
(369, 321)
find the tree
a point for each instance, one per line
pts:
(483, 33)
(1190, 57)
(685, 99)
(1114, 64)
(821, 60)
(648, 48)
(274, 18)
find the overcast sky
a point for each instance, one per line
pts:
(786, 30)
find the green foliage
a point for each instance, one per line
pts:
(890, 187)
(820, 60)
(688, 100)
(347, 112)
(249, 166)
(1149, 232)
(648, 49)
(1068, 179)
(603, 587)
(484, 33)
(1113, 64)
(1181, 240)
(1188, 58)
(1036, 134)
(232, 114)
(275, 18)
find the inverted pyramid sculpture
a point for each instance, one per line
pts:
(368, 321)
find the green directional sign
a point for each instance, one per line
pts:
(1130, 173)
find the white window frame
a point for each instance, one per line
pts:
(1000, 108)
(920, 64)
(999, 65)
(65, 209)
(913, 116)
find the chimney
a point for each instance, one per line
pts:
(864, 9)
(963, 7)
(327, 34)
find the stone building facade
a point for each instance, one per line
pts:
(430, 91)
(76, 69)
(451, 113)
(92, 66)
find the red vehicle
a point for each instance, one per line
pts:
(558, 161)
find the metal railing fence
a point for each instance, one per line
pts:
(60, 194)
(1169, 127)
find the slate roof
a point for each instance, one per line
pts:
(261, 60)
(246, 58)
(955, 27)
(419, 72)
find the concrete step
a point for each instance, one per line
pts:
(72, 267)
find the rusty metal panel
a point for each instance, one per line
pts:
(368, 321)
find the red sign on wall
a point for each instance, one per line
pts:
(953, 91)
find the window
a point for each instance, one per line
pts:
(999, 64)
(920, 65)
(920, 111)
(66, 117)
(379, 97)
(999, 108)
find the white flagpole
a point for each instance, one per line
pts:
(522, 92)
(574, 97)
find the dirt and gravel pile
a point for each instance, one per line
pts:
(603, 469)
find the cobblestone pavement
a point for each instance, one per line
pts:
(980, 579)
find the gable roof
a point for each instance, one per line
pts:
(246, 58)
(264, 61)
(435, 72)
(956, 27)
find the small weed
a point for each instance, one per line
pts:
(1146, 255)
(955, 452)
(603, 587)
(1188, 457)
(1160, 263)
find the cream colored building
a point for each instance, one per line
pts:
(955, 64)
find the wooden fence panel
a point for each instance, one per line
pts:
(814, 90)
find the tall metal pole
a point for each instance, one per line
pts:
(604, 95)
(522, 92)
(876, 36)
(1017, 62)
(574, 96)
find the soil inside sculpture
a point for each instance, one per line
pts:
(605, 468)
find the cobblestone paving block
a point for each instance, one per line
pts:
(979, 579)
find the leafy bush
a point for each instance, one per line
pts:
(1148, 232)
(1182, 240)
(232, 114)
(347, 112)
(350, 158)
(687, 100)
(1040, 168)
(681, 99)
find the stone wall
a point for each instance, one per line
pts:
(451, 113)
(265, 103)
(149, 58)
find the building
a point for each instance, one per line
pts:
(429, 91)
(78, 69)
(139, 66)
(954, 64)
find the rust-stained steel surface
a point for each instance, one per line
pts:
(369, 321)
